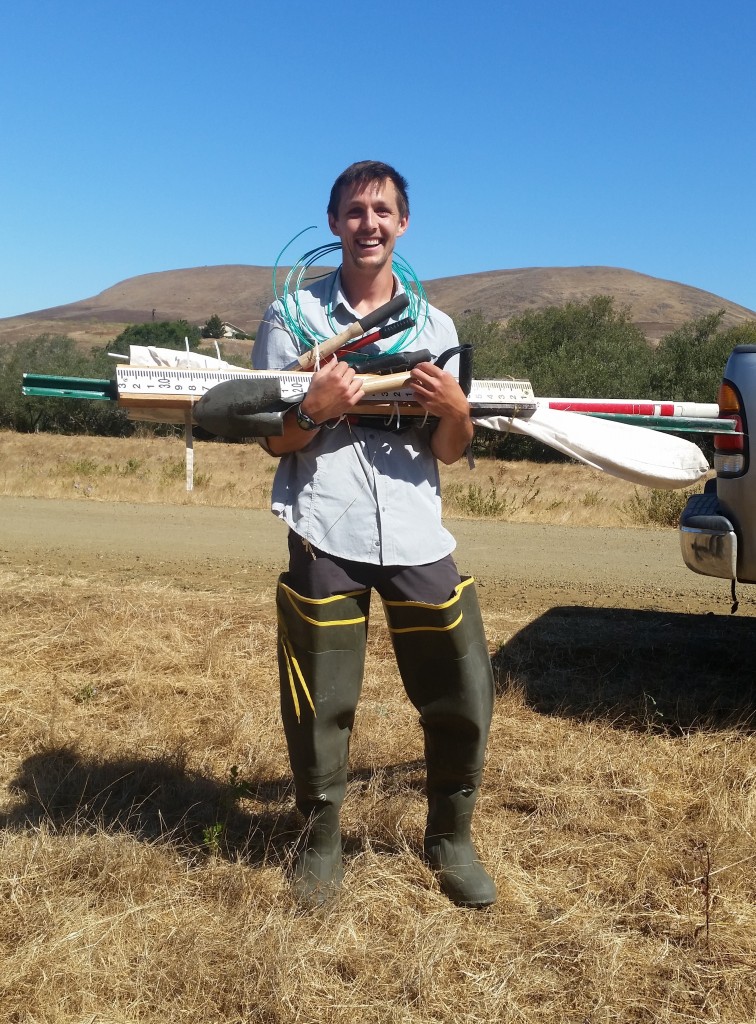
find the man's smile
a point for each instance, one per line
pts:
(368, 222)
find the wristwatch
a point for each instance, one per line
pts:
(305, 422)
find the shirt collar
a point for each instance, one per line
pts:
(338, 298)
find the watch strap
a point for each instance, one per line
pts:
(305, 422)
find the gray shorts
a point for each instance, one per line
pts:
(313, 573)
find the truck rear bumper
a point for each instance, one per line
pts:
(708, 540)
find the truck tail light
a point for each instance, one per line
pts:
(731, 450)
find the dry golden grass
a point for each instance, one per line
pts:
(147, 815)
(147, 819)
(148, 469)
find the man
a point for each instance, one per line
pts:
(363, 508)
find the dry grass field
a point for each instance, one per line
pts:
(149, 469)
(147, 816)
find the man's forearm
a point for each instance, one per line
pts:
(293, 439)
(334, 389)
(451, 438)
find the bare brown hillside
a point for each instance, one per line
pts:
(239, 294)
(656, 305)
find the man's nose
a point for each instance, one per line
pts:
(369, 219)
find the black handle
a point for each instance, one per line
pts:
(396, 305)
(396, 328)
(465, 354)
(395, 362)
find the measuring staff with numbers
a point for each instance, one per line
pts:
(363, 507)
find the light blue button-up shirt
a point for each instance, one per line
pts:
(365, 494)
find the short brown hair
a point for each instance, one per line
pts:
(365, 172)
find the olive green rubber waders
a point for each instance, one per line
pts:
(321, 656)
(443, 659)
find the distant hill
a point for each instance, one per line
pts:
(656, 306)
(240, 294)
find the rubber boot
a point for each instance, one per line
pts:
(443, 659)
(321, 655)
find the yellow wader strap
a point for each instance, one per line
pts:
(295, 600)
(421, 606)
(292, 661)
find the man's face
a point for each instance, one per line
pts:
(368, 223)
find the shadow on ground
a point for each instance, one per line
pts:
(152, 799)
(637, 669)
(161, 799)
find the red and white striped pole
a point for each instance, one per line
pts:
(632, 407)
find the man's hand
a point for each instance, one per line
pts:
(334, 389)
(440, 394)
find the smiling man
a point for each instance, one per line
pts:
(362, 503)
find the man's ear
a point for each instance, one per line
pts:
(403, 225)
(332, 225)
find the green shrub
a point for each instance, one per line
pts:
(160, 334)
(474, 501)
(656, 507)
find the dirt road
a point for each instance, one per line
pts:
(597, 621)
(207, 548)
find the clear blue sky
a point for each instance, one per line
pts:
(141, 136)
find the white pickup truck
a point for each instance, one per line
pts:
(718, 527)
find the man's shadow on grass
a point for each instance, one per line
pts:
(665, 671)
(156, 800)
(161, 800)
